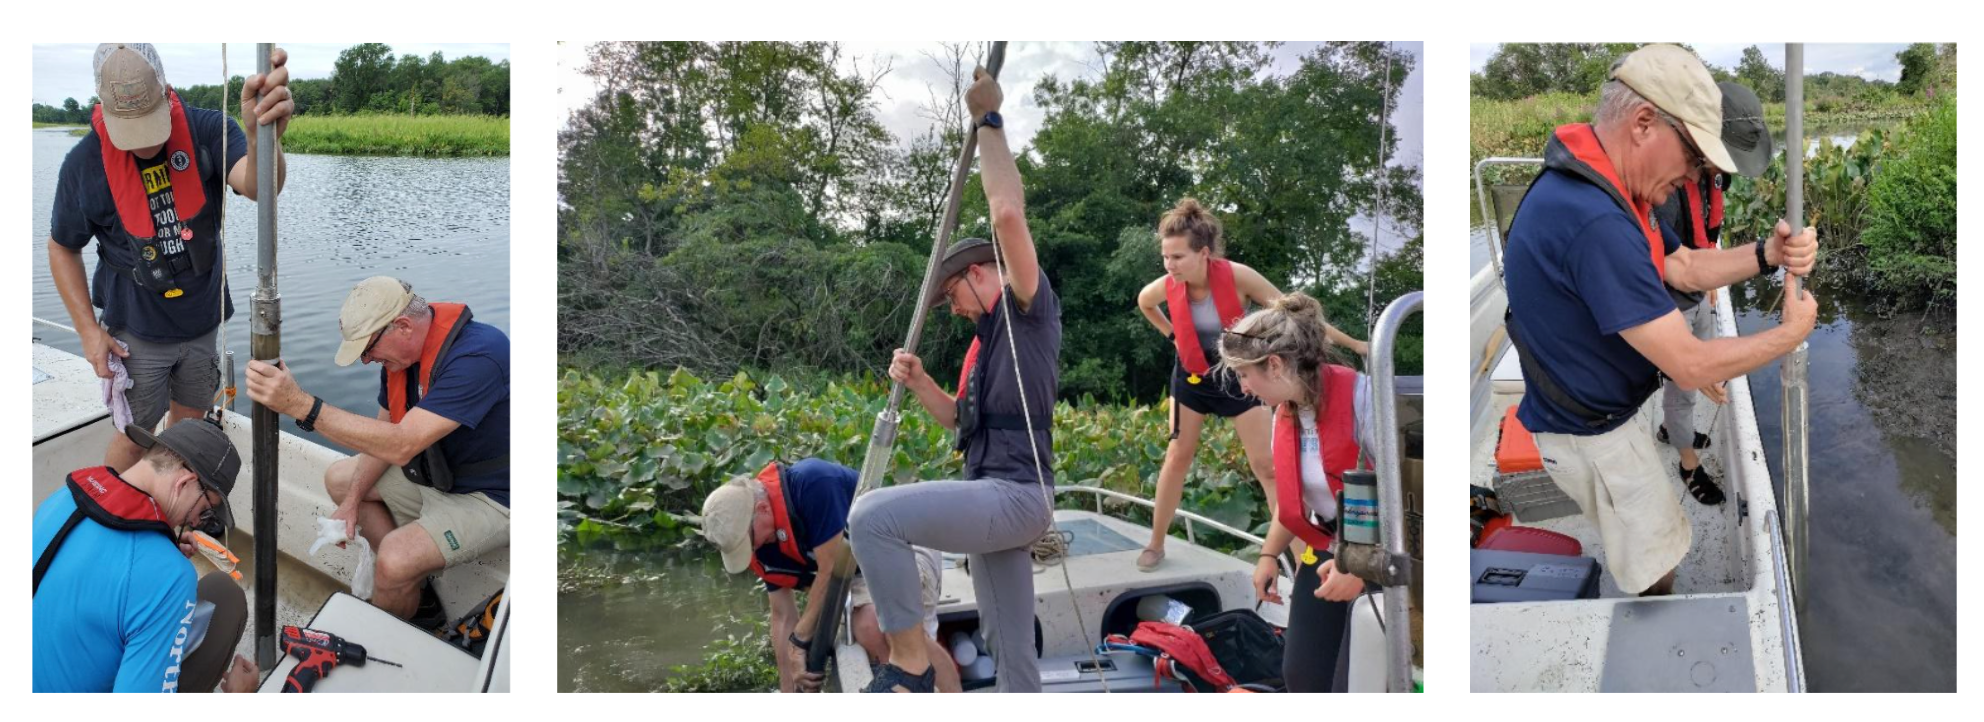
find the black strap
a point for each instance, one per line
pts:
(1010, 422)
(1535, 376)
(486, 466)
(54, 545)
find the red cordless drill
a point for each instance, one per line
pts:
(316, 653)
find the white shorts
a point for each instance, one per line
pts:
(1621, 483)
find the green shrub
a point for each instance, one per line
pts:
(638, 453)
(1911, 210)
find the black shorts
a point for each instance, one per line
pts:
(1216, 394)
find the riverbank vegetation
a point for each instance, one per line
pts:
(1884, 204)
(374, 103)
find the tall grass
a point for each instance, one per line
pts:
(421, 135)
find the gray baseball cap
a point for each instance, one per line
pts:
(960, 256)
(207, 451)
(1743, 130)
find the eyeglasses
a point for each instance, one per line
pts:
(1697, 160)
(366, 355)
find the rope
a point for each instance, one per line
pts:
(220, 340)
(1033, 442)
(1371, 256)
(1051, 549)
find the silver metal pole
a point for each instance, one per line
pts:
(1391, 490)
(1795, 407)
(265, 328)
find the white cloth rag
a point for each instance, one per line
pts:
(114, 387)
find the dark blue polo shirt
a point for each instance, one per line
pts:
(84, 210)
(821, 493)
(471, 386)
(1578, 273)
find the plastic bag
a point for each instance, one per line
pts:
(331, 531)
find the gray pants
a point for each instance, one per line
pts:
(1677, 406)
(993, 520)
(187, 372)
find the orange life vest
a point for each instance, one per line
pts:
(405, 387)
(1587, 160)
(1184, 333)
(162, 265)
(1336, 430)
(785, 534)
(1704, 231)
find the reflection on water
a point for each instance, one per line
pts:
(1881, 603)
(441, 224)
(624, 619)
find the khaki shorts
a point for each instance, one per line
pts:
(1623, 486)
(930, 568)
(463, 526)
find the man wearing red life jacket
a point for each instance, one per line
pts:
(122, 611)
(430, 486)
(779, 523)
(1694, 213)
(1586, 273)
(146, 183)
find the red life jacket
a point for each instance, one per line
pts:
(1574, 148)
(431, 467)
(105, 498)
(1336, 429)
(161, 264)
(785, 533)
(1178, 300)
(1704, 231)
(1180, 647)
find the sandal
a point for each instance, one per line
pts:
(891, 678)
(1702, 486)
(1150, 559)
(1701, 439)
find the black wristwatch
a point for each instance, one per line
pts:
(1763, 266)
(794, 640)
(991, 120)
(309, 423)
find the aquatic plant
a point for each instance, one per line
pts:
(638, 452)
(741, 661)
(381, 134)
(1911, 211)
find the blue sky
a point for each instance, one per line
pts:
(63, 71)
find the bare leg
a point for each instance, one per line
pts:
(405, 559)
(947, 668)
(122, 454)
(374, 520)
(868, 634)
(1256, 430)
(1171, 477)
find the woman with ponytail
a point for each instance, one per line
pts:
(1283, 355)
(1204, 294)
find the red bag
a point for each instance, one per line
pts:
(1182, 647)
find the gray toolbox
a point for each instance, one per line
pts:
(1501, 576)
(1125, 672)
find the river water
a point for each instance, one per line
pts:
(1880, 609)
(625, 620)
(441, 224)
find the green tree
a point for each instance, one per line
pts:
(1757, 74)
(1917, 61)
(361, 72)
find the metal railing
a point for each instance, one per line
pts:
(1787, 615)
(1391, 489)
(1191, 518)
(1488, 209)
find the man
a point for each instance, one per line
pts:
(122, 612)
(430, 486)
(1002, 415)
(1589, 315)
(1695, 213)
(780, 523)
(145, 182)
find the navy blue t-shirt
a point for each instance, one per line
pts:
(1578, 273)
(821, 493)
(471, 387)
(84, 209)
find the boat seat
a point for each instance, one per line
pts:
(1533, 540)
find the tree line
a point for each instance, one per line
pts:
(367, 78)
(1521, 70)
(742, 205)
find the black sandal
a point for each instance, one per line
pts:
(890, 677)
(1701, 439)
(1702, 486)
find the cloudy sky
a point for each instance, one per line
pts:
(1871, 61)
(63, 71)
(907, 86)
